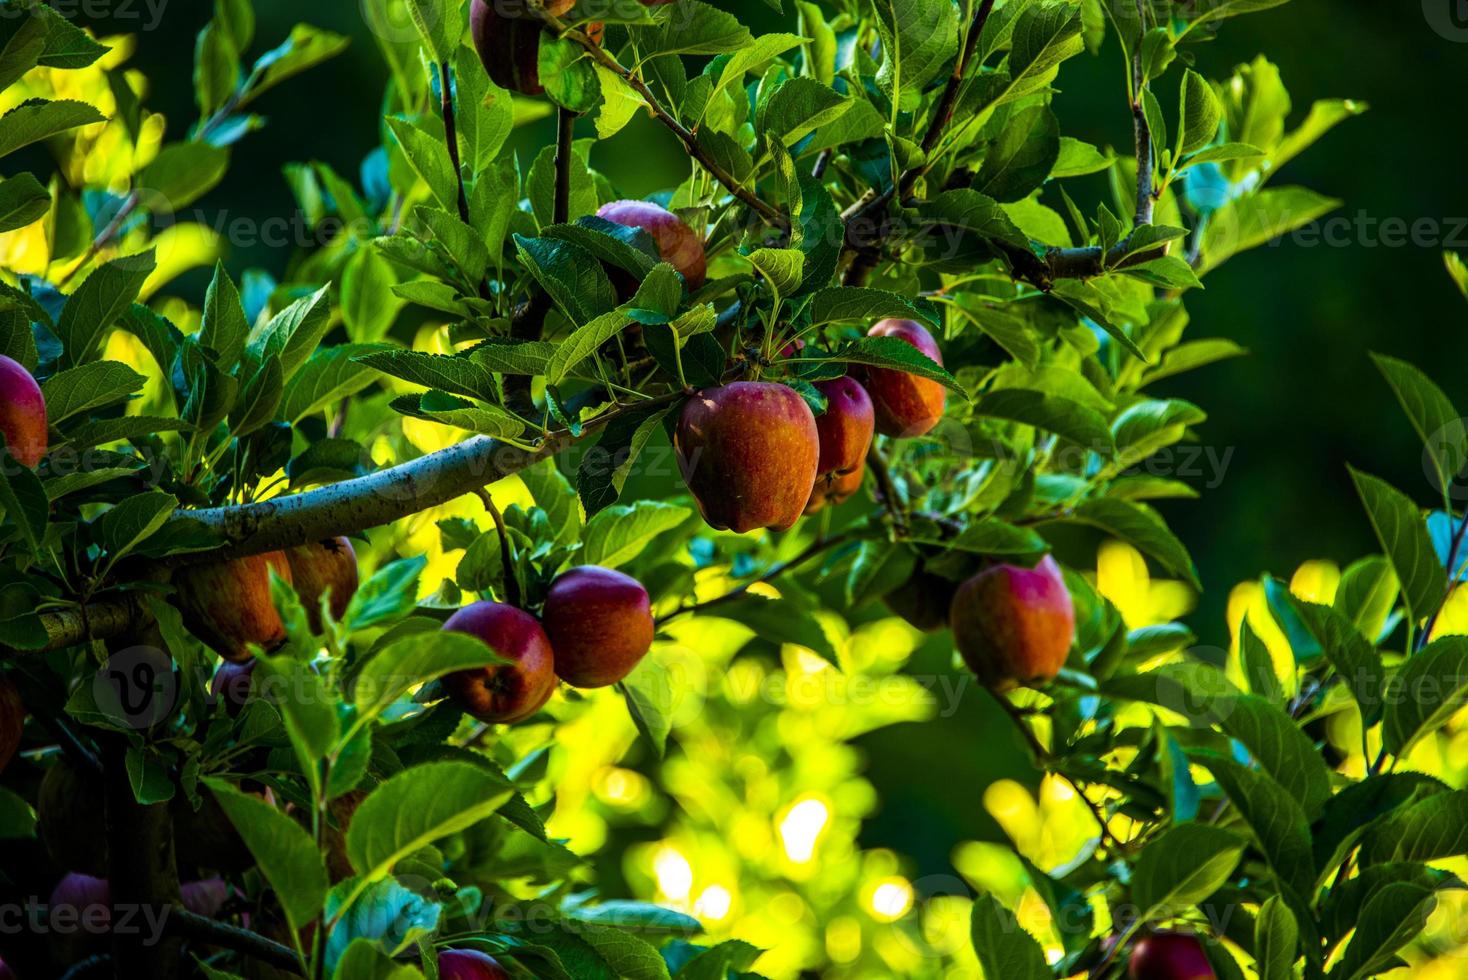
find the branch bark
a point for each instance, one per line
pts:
(451, 136)
(188, 925)
(1145, 198)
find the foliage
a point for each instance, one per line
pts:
(462, 319)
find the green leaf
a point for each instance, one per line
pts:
(1046, 33)
(1143, 529)
(890, 352)
(1391, 919)
(846, 304)
(1429, 830)
(438, 24)
(1004, 949)
(180, 175)
(330, 375)
(1182, 867)
(571, 275)
(1356, 661)
(305, 48)
(23, 500)
(1257, 664)
(403, 665)
(1401, 529)
(101, 298)
(38, 119)
(717, 962)
(435, 406)
(797, 108)
(698, 28)
(1021, 156)
(1273, 816)
(603, 470)
(446, 372)
(134, 520)
(283, 851)
(224, 328)
(1276, 940)
(919, 40)
(390, 594)
(639, 917)
(296, 332)
(1201, 112)
(307, 705)
(782, 268)
(780, 621)
(1257, 219)
(584, 342)
(22, 201)
(554, 494)
(417, 807)
(81, 389)
(1437, 422)
(1426, 691)
(619, 534)
(650, 701)
(1054, 413)
(429, 158)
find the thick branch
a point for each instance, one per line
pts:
(188, 925)
(690, 141)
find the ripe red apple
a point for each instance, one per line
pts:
(233, 682)
(469, 964)
(678, 244)
(507, 37)
(1169, 956)
(510, 692)
(84, 903)
(228, 604)
(748, 451)
(204, 897)
(834, 489)
(12, 721)
(846, 426)
(22, 413)
(1014, 625)
(923, 600)
(600, 625)
(67, 809)
(323, 567)
(906, 405)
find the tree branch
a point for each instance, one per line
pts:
(451, 136)
(189, 925)
(690, 140)
(1145, 199)
(507, 553)
(817, 548)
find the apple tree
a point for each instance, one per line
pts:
(282, 670)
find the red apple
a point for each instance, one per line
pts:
(22, 413)
(511, 692)
(12, 721)
(233, 682)
(205, 897)
(846, 426)
(507, 37)
(1014, 625)
(469, 964)
(322, 568)
(906, 405)
(228, 605)
(67, 809)
(678, 244)
(600, 625)
(923, 600)
(1170, 956)
(748, 451)
(84, 904)
(834, 489)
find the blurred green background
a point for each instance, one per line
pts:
(1292, 415)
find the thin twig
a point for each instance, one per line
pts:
(1145, 198)
(507, 553)
(189, 925)
(689, 139)
(451, 137)
(891, 499)
(819, 547)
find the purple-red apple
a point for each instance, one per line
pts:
(748, 452)
(22, 413)
(228, 604)
(12, 721)
(509, 692)
(233, 682)
(678, 244)
(846, 426)
(600, 625)
(906, 405)
(469, 964)
(1014, 625)
(327, 567)
(923, 600)
(1169, 956)
(507, 37)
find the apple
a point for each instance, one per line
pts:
(748, 452)
(1169, 956)
(503, 693)
(923, 600)
(507, 37)
(204, 897)
(12, 721)
(1014, 625)
(228, 605)
(846, 426)
(84, 903)
(906, 405)
(600, 625)
(678, 244)
(834, 489)
(22, 413)
(68, 808)
(469, 964)
(233, 682)
(322, 568)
